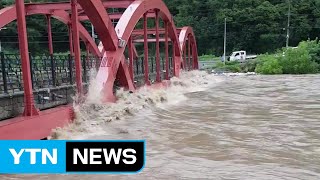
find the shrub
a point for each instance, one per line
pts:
(299, 60)
(249, 66)
(230, 66)
(270, 66)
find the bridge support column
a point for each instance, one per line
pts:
(49, 34)
(146, 50)
(185, 58)
(194, 56)
(76, 43)
(175, 73)
(29, 109)
(131, 57)
(70, 39)
(158, 77)
(166, 49)
(189, 54)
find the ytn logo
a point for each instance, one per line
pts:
(44, 153)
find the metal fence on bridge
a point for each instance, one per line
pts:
(48, 71)
(53, 80)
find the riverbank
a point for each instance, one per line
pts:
(304, 59)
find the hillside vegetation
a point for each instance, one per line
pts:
(257, 26)
(303, 59)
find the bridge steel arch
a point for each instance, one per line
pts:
(114, 61)
(9, 15)
(187, 38)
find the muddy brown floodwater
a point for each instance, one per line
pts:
(212, 127)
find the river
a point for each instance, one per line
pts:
(212, 127)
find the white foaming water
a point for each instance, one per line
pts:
(247, 127)
(93, 115)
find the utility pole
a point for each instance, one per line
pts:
(225, 41)
(288, 27)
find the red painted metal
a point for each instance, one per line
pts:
(36, 127)
(176, 65)
(136, 10)
(185, 58)
(135, 52)
(9, 14)
(113, 16)
(76, 45)
(158, 76)
(103, 26)
(29, 109)
(131, 56)
(185, 34)
(166, 49)
(70, 39)
(113, 56)
(49, 34)
(67, 6)
(146, 50)
(114, 40)
(189, 54)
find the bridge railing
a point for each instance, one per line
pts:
(53, 80)
(47, 71)
(138, 69)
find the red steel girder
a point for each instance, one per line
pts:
(49, 34)
(187, 34)
(36, 127)
(166, 50)
(158, 76)
(9, 14)
(113, 16)
(29, 107)
(136, 10)
(146, 49)
(101, 21)
(67, 5)
(76, 45)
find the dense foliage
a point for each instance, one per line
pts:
(257, 26)
(300, 60)
(303, 59)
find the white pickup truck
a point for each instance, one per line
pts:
(240, 56)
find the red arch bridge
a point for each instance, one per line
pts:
(35, 91)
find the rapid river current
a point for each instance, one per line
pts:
(210, 127)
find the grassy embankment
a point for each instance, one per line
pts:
(305, 59)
